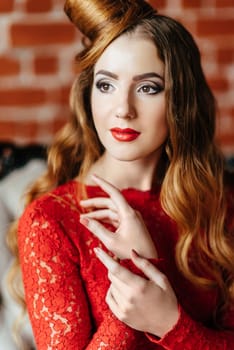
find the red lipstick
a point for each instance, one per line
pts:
(124, 135)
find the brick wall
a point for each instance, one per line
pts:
(38, 45)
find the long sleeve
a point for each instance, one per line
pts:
(56, 298)
(54, 294)
(114, 335)
(188, 334)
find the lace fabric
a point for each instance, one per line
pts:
(65, 284)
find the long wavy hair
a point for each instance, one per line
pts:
(192, 190)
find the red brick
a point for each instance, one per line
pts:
(225, 56)
(218, 84)
(27, 129)
(22, 97)
(158, 4)
(58, 124)
(10, 130)
(60, 96)
(7, 130)
(46, 65)
(30, 34)
(226, 139)
(6, 5)
(189, 24)
(192, 3)
(9, 66)
(224, 3)
(228, 111)
(64, 94)
(213, 27)
(38, 6)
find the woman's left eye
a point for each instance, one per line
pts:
(150, 89)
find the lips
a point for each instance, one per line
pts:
(124, 135)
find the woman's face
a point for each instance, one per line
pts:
(128, 99)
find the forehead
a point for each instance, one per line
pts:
(131, 52)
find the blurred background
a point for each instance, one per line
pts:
(37, 49)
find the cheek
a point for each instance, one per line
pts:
(157, 113)
(98, 116)
(159, 120)
(162, 123)
(95, 107)
(93, 102)
(101, 112)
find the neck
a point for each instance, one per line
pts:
(137, 174)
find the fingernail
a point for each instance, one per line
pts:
(97, 251)
(84, 221)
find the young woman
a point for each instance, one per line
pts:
(137, 166)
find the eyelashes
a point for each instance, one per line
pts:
(104, 86)
(147, 88)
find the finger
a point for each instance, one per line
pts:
(102, 215)
(116, 306)
(98, 230)
(115, 269)
(120, 299)
(98, 202)
(107, 261)
(118, 199)
(106, 221)
(118, 285)
(118, 294)
(150, 270)
(112, 303)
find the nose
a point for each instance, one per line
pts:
(125, 106)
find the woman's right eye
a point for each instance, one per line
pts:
(104, 86)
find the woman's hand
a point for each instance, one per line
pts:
(145, 305)
(131, 232)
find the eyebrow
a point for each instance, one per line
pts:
(135, 78)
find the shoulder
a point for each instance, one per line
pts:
(55, 204)
(49, 224)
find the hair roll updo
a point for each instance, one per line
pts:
(102, 21)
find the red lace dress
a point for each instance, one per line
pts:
(65, 284)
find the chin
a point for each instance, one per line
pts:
(127, 158)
